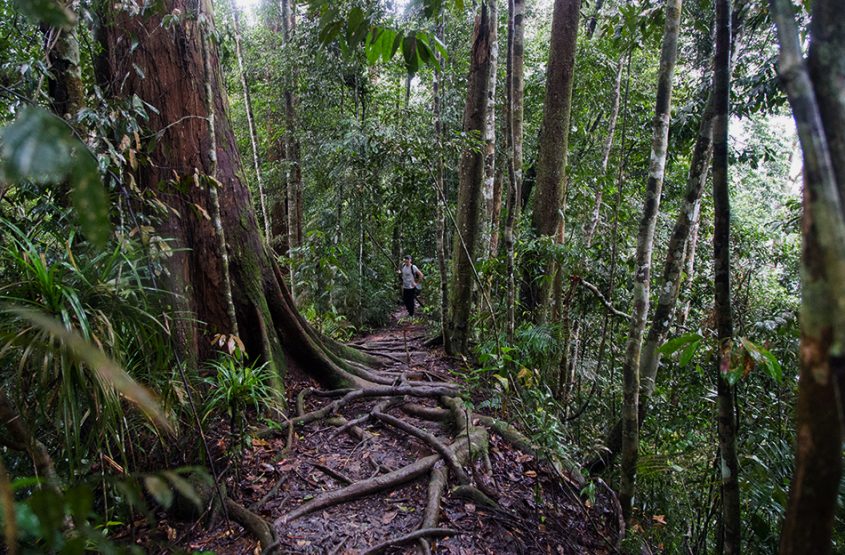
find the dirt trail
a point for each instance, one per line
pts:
(537, 511)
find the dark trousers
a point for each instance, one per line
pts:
(408, 296)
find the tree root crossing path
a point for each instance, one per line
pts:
(406, 467)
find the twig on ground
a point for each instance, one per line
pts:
(407, 538)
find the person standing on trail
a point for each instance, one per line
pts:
(411, 276)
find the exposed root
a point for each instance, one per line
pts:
(439, 447)
(361, 489)
(425, 390)
(565, 468)
(251, 522)
(475, 495)
(434, 414)
(408, 538)
(339, 476)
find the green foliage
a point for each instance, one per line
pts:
(67, 521)
(62, 299)
(40, 147)
(236, 387)
(50, 12)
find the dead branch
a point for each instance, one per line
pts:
(595, 291)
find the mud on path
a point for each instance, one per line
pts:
(536, 511)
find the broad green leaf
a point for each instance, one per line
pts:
(689, 352)
(356, 17)
(677, 343)
(160, 491)
(91, 201)
(409, 52)
(50, 12)
(108, 370)
(39, 147)
(503, 381)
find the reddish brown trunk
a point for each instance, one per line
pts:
(171, 60)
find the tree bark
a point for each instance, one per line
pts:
(442, 197)
(495, 220)
(65, 86)
(670, 282)
(488, 190)
(295, 205)
(727, 419)
(645, 244)
(471, 174)
(590, 231)
(250, 120)
(553, 143)
(819, 111)
(271, 328)
(514, 133)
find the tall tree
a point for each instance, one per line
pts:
(514, 133)
(591, 226)
(267, 319)
(645, 244)
(294, 176)
(722, 281)
(546, 217)
(471, 177)
(440, 184)
(488, 190)
(250, 118)
(814, 91)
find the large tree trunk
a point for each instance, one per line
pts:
(171, 59)
(645, 244)
(727, 418)
(514, 116)
(814, 91)
(250, 119)
(471, 175)
(553, 143)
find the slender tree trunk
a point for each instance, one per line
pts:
(514, 111)
(590, 230)
(488, 190)
(442, 198)
(211, 113)
(731, 518)
(270, 325)
(471, 173)
(250, 119)
(814, 91)
(670, 282)
(495, 220)
(645, 244)
(682, 313)
(554, 138)
(65, 86)
(294, 177)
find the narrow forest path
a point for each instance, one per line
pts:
(536, 512)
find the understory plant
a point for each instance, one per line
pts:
(237, 386)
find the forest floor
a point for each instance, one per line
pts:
(537, 511)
